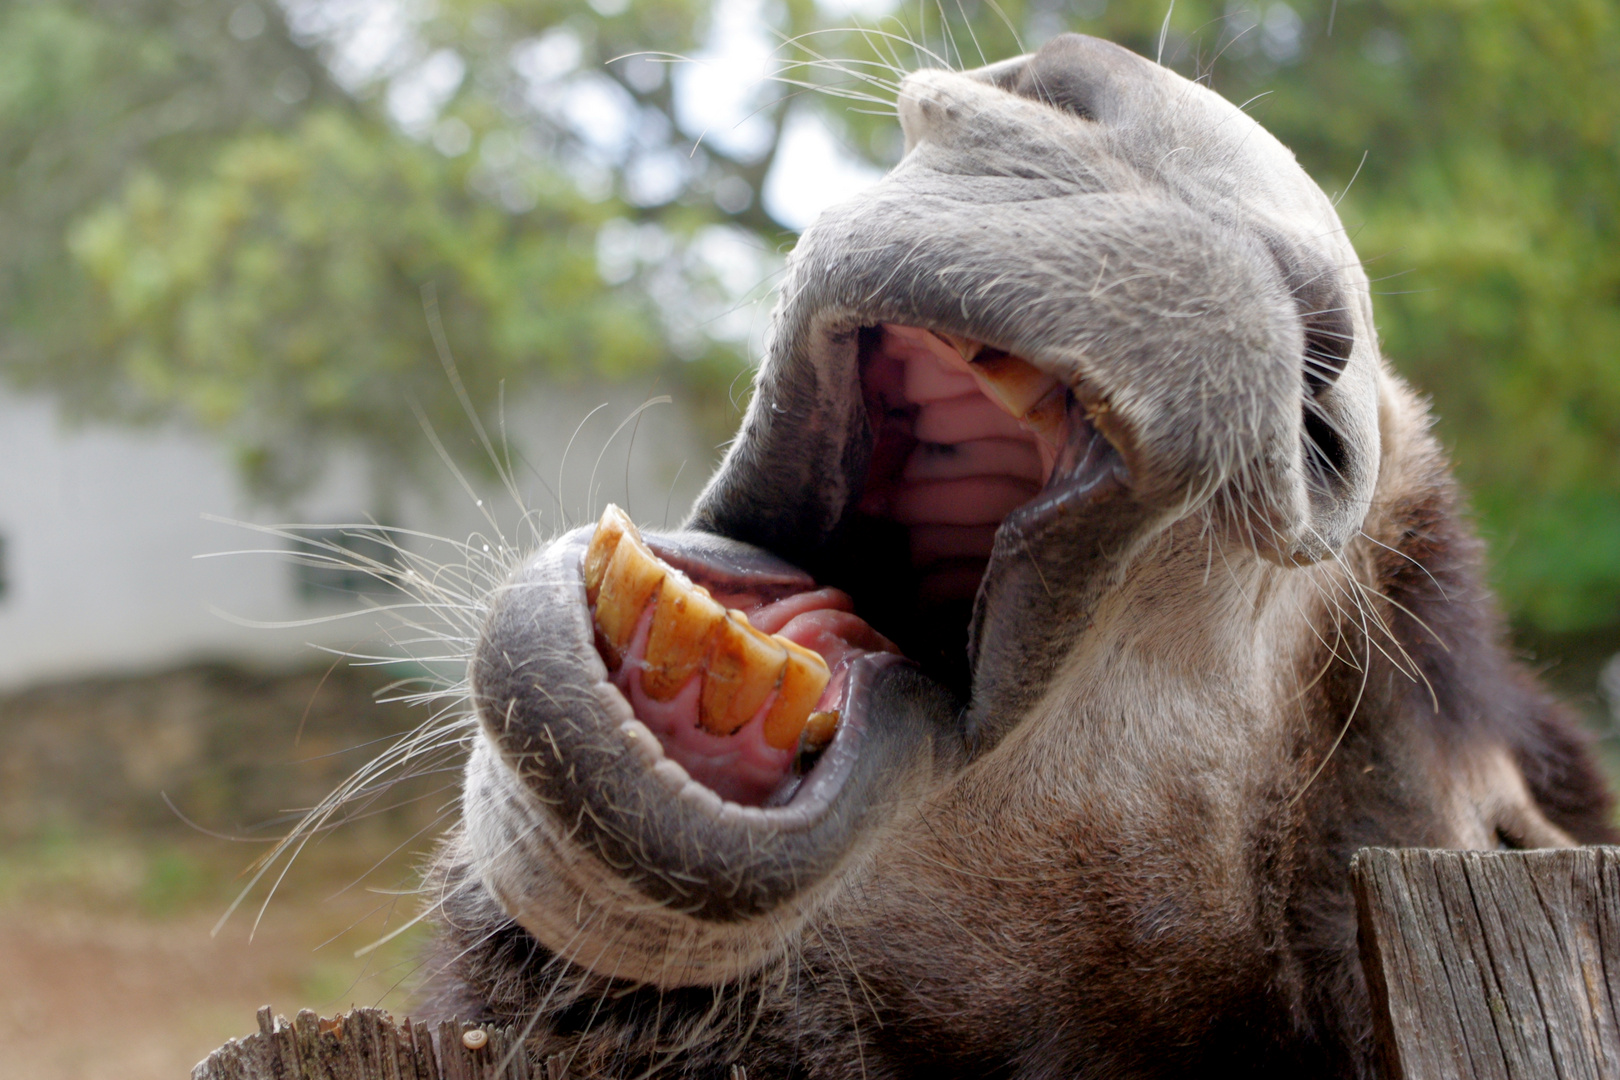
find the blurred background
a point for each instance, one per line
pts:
(414, 281)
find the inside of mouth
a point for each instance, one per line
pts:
(962, 436)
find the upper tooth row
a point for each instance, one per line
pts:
(690, 633)
(1019, 388)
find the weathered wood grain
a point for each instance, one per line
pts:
(368, 1045)
(1502, 965)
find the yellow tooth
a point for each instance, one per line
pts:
(691, 632)
(614, 524)
(966, 347)
(1048, 417)
(803, 679)
(632, 576)
(743, 668)
(819, 730)
(683, 627)
(1016, 385)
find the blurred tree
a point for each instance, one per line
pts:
(277, 295)
(89, 92)
(1496, 201)
(201, 223)
(227, 210)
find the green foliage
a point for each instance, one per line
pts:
(202, 226)
(1500, 199)
(89, 92)
(1497, 201)
(277, 296)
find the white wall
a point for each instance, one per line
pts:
(102, 527)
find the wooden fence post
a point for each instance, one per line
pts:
(367, 1044)
(1492, 964)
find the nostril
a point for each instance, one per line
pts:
(1069, 73)
(1326, 459)
(1328, 340)
(1323, 312)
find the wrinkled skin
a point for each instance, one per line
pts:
(1100, 822)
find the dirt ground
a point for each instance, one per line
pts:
(110, 885)
(149, 998)
(115, 935)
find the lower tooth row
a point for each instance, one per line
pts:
(691, 633)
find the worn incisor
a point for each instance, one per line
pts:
(632, 576)
(691, 633)
(684, 626)
(604, 542)
(1048, 418)
(819, 730)
(1014, 384)
(804, 677)
(967, 348)
(743, 668)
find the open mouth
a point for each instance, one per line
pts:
(743, 676)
